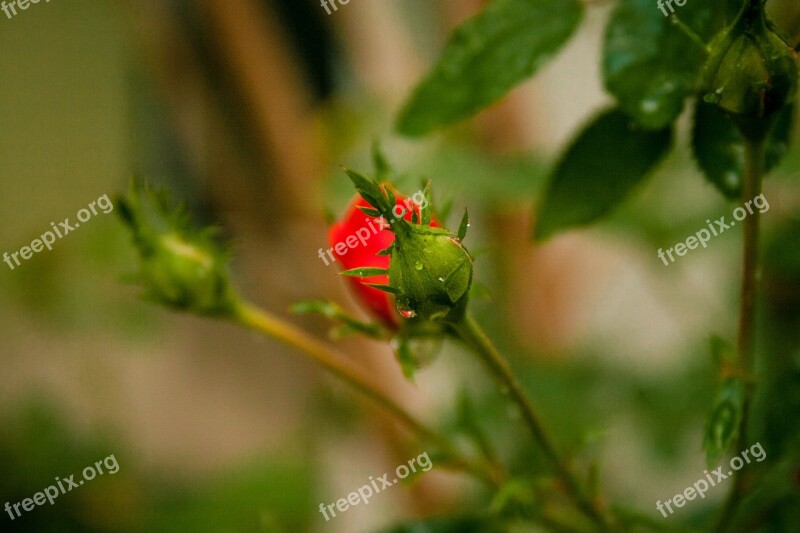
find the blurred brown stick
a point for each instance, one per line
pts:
(253, 48)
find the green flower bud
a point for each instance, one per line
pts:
(180, 267)
(431, 271)
(751, 73)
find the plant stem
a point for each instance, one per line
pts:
(754, 174)
(257, 319)
(471, 334)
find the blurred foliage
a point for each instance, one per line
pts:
(35, 447)
(270, 495)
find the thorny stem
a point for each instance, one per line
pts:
(754, 174)
(257, 319)
(473, 336)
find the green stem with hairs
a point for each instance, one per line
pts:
(753, 177)
(473, 336)
(258, 320)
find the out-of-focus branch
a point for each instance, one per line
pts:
(252, 46)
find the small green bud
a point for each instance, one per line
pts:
(751, 73)
(432, 272)
(180, 267)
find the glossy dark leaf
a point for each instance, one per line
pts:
(719, 147)
(507, 42)
(599, 170)
(649, 63)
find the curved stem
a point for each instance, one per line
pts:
(754, 174)
(256, 319)
(471, 334)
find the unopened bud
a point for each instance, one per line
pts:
(751, 73)
(180, 268)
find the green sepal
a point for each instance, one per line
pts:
(384, 288)
(371, 191)
(365, 272)
(369, 211)
(386, 251)
(464, 226)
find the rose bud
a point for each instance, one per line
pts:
(751, 73)
(429, 271)
(180, 267)
(370, 235)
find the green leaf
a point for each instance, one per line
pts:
(649, 64)
(722, 426)
(601, 167)
(364, 272)
(487, 56)
(350, 324)
(416, 349)
(719, 147)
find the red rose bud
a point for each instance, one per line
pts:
(356, 241)
(430, 272)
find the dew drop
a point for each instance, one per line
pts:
(418, 265)
(404, 310)
(649, 106)
(731, 179)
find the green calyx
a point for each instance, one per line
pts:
(751, 73)
(430, 271)
(180, 268)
